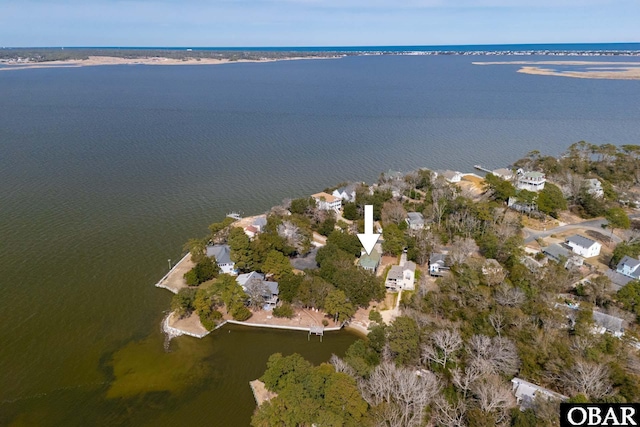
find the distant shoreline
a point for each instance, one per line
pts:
(609, 70)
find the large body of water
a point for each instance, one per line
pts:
(106, 171)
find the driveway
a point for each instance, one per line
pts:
(592, 224)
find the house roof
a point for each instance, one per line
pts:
(370, 261)
(618, 279)
(556, 251)
(251, 228)
(273, 287)
(503, 172)
(632, 263)
(395, 273)
(611, 323)
(242, 279)
(260, 221)
(415, 218)
(410, 265)
(526, 392)
(533, 174)
(437, 257)
(581, 241)
(326, 196)
(221, 252)
(448, 174)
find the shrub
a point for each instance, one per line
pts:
(241, 313)
(285, 310)
(375, 316)
(210, 321)
(325, 322)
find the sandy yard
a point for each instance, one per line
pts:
(385, 262)
(260, 392)
(190, 324)
(174, 281)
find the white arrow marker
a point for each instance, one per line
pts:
(368, 239)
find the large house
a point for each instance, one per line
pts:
(402, 277)
(594, 187)
(271, 290)
(526, 393)
(583, 246)
(370, 262)
(437, 264)
(222, 254)
(415, 221)
(450, 176)
(532, 181)
(346, 193)
(629, 267)
(557, 252)
(327, 202)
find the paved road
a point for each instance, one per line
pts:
(592, 224)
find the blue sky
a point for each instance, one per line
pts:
(314, 22)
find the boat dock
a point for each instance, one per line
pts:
(482, 169)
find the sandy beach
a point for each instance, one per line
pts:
(592, 69)
(93, 61)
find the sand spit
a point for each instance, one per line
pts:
(93, 61)
(593, 70)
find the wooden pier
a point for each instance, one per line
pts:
(317, 331)
(234, 215)
(482, 169)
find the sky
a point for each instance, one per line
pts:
(237, 23)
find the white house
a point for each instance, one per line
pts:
(583, 246)
(271, 290)
(594, 187)
(346, 193)
(532, 181)
(402, 277)
(437, 264)
(415, 221)
(527, 392)
(222, 254)
(327, 202)
(629, 267)
(450, 176)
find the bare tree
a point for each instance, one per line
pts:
(463, 380)
(256, 290)
(294, 237)
(496, 355)
(341, 366)
(590, 379)
(506, 295)
(449, 414)
(461, 249)
(400, 394)
(497, 321)
(444, 343)
(493, 396)
(393, 212)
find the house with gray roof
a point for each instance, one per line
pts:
(607, 323)
(271, 290)
(503, 173)
(557, 252)
(449, 176)
(401, 277)
(629, 267)
(526, 393)
(346, 193)
(583, 246)
(415, 221)
(532, 181)
(438, 264)
(222, 254)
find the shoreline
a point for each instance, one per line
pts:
(95, 61)
(608, 70)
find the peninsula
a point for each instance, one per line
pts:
(480, 286)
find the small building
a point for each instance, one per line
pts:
(450, 176)
(251, 231)
(526, 393)
(401, 277)
(415, 221)
(327, 202)
(522, 207)
(594, 187)
(346, 193)
(370, 262)
(222, 254)
(557, 252)
(437, 264)
(503, 173)
(629, 267)
(607, 323)
(583, 246)
(532, 181)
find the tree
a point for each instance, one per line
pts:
(350, 211)
(629, 296)
(551, 200)
(256, 290)
(494, 397)
(302, 206)
(403, 337)
(241, 252)
(182, 302)
(393, 212)
(284, 310)
(337, 305)
(394, 240)
(205, 269)
(462, 249)
(500, 188)
(197, 248)
(590, 379)
(277, 264)
(313, 291)
(617, 218)
(444, 343)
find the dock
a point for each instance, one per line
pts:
(234, 215)
(317, 331)
(479, 167)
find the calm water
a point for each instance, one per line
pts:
(106, 171)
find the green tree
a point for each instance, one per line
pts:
(350, 211)
(617, 218)
(403, 336)
(337, 305)
(197, 248)
(241, 251)
(284, 310)
(182, 302)
(302, 206)
(501, 188)
(394, 240)
(277, 264)
(288, 286)
(629, 297)
(551, 201)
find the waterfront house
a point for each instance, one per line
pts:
(532, 181)
(222, 254)
(370, 262)
(629, 267)
(437, 264)
(271, 290)
(327, 202)
(503, 173)
(449, 176)
(401, 277)
(346, 193)
(526, 393)
(594, 187)
(251, 231)
(415, 221)
(583, 246)
(260, 222)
